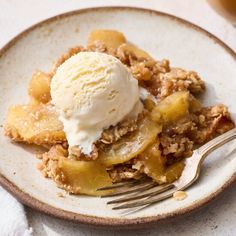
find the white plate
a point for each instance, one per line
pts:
(164, 36)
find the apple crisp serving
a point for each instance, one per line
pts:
(171, 125)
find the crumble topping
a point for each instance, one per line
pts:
(124, 172)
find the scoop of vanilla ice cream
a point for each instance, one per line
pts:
(93, 91)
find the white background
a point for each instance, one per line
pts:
(218, 218)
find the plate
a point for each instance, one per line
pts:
(164, 36)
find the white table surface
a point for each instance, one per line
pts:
(218, 218)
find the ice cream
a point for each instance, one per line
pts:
(93, 91)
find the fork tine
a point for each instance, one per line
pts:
(124, 183)
(136, 188)
(137, 197)
(147, 201)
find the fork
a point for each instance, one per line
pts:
(144, 192)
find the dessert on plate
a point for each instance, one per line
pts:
(110, 112)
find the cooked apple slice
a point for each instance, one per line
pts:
(111, 38)
(84, 176)
(133, 49)
(36, 124)
(154, 163)
(194, 104)
(173, 172)
(171, 108)
(130, 146)
(39, 87)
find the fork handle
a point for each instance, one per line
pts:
(217, 142)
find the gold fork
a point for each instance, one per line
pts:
(144, 192)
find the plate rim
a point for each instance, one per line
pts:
(40, 206)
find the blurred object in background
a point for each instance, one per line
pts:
(226, 8)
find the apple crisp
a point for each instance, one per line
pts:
(172, 124)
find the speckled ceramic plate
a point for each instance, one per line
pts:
(162, 35)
